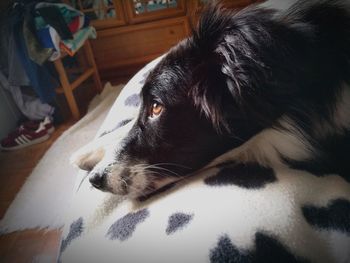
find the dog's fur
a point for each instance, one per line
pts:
(269, 87)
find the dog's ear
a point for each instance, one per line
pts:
(207, 74)
(208, 82)
(230, 69)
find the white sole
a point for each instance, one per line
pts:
(36, 141)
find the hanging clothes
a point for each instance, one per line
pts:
(40, 77)
(36, 31)
(30, 106)
(13, 75)
(17, 76)
(36, 52)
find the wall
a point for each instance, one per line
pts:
(9, 113)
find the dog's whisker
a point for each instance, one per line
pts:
(156, 166)
(160, 174)
(147, 171)
(152, 168)
(163, 172)
(82, 180)
(174, 164)
(163, 169)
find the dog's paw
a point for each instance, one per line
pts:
(87, 159)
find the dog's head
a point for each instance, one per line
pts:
(210, 93)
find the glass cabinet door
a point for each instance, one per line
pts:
(142, 7)
(102, 13)
(147, 10)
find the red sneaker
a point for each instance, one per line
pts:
(28, 134)
(34, 125)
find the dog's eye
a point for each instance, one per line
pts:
(156, 109)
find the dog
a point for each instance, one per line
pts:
(256, 85)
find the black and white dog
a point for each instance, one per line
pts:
(269, 87)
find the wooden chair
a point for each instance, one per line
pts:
(67, 88)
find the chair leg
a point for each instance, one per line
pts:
(67, 89)
(91, 61)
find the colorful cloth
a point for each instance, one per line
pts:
(68, 13)
(79, 38)
(77, 23)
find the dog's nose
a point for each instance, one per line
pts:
(98, 179)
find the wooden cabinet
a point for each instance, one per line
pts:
(137, 44)
(130, 33)
(102, 13)
(140, 11)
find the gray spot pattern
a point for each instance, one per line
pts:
(177, 221)
(144, 76)
(124, 227)
(133, 100)
(119, 125)
(75, 230)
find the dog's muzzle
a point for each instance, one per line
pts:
(98, 180)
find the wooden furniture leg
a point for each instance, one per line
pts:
(67, 89)
(91, 61)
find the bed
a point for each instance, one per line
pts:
(227, 213)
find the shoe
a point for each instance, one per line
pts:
(34, 125)
(28, 134)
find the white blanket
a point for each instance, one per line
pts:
(225, 214)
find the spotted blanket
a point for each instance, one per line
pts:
(230, 213)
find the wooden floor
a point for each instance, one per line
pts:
(16, 166)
